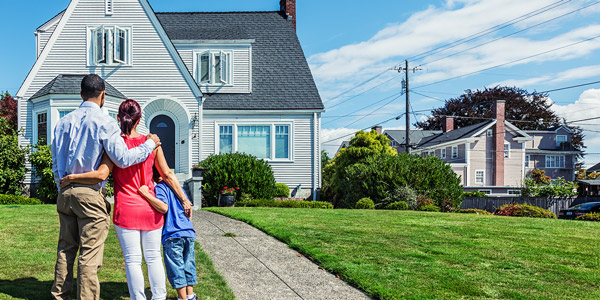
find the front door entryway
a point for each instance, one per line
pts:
(164, 127)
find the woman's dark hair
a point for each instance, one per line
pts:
(129, 113)
(91, 86)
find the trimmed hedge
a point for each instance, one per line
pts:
(284, 204)
(19, 200)
(282, 190)
(589, 217)
(429, 207)
(524, 210)
(475, 211)
(365, 203)
(398, 205)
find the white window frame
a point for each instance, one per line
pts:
(272, 125)
(489, 133)
(454, 152)
(527, 161)
(513, 192)
(506, 150)
(48, 125)
(108, 46)
(485, 191)
(108, 7)
(554, 161)
(431, 153)
(226, 80)
(443, 153)
(559, 142)
(482, 177)
(126, 46)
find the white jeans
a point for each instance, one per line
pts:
(130, 245)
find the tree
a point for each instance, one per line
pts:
(41, 160)
(8, 110)
(528, 111)
(12, 160)
(325, 159)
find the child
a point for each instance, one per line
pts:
(178, 238)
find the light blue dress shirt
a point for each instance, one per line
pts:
(82, 137)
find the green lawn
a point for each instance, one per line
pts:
(416, 255)
(28, 236)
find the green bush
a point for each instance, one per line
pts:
(285, 203)
(19, 200)
(524, 210)
(474, 211)
(365, 203)
(12, 160)
(41, 160)
(474, 194)
(589, 217)
(253, 176)
(403, 193)
(282, 190)
(429, 207)
(398, 205)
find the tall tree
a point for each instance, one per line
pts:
(8, 110)
(528, 111)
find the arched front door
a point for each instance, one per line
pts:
(164, 127)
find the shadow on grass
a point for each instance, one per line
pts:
(32, 288)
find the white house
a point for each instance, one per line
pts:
(208, 83)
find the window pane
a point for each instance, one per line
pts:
(63, 113)
(506, 150)
(226, 139)
(224, 67)
(204, 67)
(99, 45)
(42, 134)
(217, 59)
(255, 140)
(282, 145)
(120, 48)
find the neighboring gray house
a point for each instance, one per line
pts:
(495, 156)
(208, 83)
(398, 137)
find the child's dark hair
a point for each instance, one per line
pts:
(155, 175)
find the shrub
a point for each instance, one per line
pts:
(524, 210)
(474, 211)
(285, 203)
(422, 200)
(474, 194)
(403, 193)
(398, 205)
(365, 203)
(282, 190)
(19, 200)
(589, 217)
(253, 176)
(12, 160)
(429, 207)
(41, 160)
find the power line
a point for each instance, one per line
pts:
(384, 105)
(434, 98)
(363, 92)
(364, 107)
(570, 87)
(360, 84)
(341, 137)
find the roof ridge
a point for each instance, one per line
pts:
(216, 12)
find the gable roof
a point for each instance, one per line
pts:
(281, 78)
(67, 84)
(453, 135)
(415, 135)
(594, 168)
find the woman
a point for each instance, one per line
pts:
(136, 221)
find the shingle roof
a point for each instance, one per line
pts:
(281, 78)
(453, 135)
(594, 168)
(589, 182)
(415, 135)
(71, 84)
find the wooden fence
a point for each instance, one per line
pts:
(552, 204)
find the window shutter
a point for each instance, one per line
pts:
(120, 45)
(99, 36)
(224, 67)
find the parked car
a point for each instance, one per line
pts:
(578, 210)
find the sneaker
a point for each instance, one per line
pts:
(194, 298)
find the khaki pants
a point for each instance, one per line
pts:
(84, 222)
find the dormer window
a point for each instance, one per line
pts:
(109, 45)
(213, 67)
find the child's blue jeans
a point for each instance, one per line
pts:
(180, 261)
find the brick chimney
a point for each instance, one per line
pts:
(499, 108)
(448, 124)
(379, 129)
(289, 8)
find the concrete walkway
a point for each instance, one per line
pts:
(257, 266)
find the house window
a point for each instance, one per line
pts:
(214, 67)
(479, 176)
(282, 141)
(255, 140)
(454, 151)
(431, 153)
(487, 192)
(506, 150)
(225, 139)
(113, 115)
(108, 6)
(527, 161)
(62, 113)
(443, 153)
(489, 133)
(560, 139)
(42, 128)
(555, 161)
(514, 192)
(109, 45)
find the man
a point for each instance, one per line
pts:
(80, 140)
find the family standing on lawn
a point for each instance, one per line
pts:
(87, 145)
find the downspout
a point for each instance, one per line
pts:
(468, 161)
(317, 160)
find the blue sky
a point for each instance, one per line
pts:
(349, 42)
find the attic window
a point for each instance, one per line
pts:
(109, 45)
(214, 67)
(109, 7)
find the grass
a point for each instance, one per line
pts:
(28, 237)
(426, 255)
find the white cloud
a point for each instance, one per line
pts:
(331, 139)
(571, 74)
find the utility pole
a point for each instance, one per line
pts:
(405, 69)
